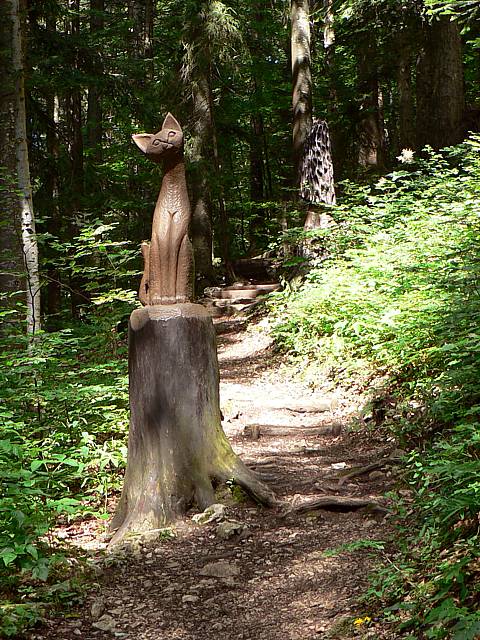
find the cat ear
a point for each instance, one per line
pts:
(171, 123)
(142, 140)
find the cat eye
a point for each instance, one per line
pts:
(171, 134)
(156, 142)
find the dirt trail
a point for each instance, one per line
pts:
(277, 582)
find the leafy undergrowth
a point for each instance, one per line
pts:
(63, 425)
(398, 298)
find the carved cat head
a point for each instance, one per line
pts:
(156, 146)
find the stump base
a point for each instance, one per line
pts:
(176, 445)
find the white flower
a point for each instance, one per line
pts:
(406, 156)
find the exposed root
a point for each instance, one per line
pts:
(336, 503)
(250, 482)
(361, 471)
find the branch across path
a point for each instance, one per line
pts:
(293, 572)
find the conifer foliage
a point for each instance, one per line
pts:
(357, 98)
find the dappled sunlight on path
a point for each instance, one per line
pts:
(275, 582)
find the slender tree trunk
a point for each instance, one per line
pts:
(338, 134)
(406, 111)
(256, 179)
(260, 173)
(16, 15)
(148, 38)
(301, 78)
(136, 30)
(256, 159)
(207, 188)
(74, 121)
(11, 262)
(328, 30)
(94, 105)
(440, 88)
(224, 235)
(371, 138)
(54, 222)
(201, 225)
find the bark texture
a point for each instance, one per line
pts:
(440, 91)
(406, 110)
(371, 137)
(11, 268)
(94, 127)
(14, 12)
(176, 446)
(201, 226)
(302, 78)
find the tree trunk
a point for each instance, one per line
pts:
(176, 446)
(54, 222)
(301, 78)
(406, 111)
(134, 13)
(440, 90)
(148, 38)
(74, 122)
(328, 30)
(257, 212)
(256, 158)
(94, 106)
(224, 236)
(371, 138)
(23, 211)
(11, 267)
(317, 185)
(201, 225)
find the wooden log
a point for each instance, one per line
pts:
(176, 444)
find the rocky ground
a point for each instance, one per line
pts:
(253, 573)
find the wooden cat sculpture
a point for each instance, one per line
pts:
(168, 259)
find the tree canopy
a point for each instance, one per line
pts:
(386, 291)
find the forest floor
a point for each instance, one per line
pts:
(282, 575)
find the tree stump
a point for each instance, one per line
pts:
(176, 447)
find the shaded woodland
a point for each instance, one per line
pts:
(379, 267)
(384, 75)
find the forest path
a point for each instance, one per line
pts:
(275, 580)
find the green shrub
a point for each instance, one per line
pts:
(63, 427)
(399, 296)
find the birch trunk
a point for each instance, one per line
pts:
(27, 219)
